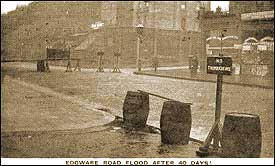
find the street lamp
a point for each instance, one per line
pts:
(190, 42)
(139, 32)
(200, 9)
(222, 38)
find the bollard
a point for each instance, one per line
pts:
(241, 136)
(136, 109)
(41, 66)
(175, 122)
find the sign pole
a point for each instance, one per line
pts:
(221, 66)
(218, 111)
(218, 104)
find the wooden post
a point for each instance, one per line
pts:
(218, 111)
(166, 98)
(215, 133)
(218, 103)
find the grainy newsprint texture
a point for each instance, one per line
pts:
(137, 79)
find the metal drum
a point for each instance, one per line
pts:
(136, 109)
(175, 122)
(241, 136)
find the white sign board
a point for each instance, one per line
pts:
(258, 15)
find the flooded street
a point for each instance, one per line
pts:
(108, 90)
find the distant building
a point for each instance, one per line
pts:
(171, 29)
(167, 15)
(28, 27)
(247, 21)
(241, 7)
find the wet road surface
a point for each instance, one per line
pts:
(108, 90)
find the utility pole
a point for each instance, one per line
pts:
(69, 67)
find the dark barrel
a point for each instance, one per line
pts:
(136, 109)
(41, 66)
(241, 136)
(175, 123)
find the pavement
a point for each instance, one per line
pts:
(39, 108)
(184, 73)
(60, 126)
(59, 114)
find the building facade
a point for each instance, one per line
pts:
(250, 25)
(241, 7)
(171, 29)
(168, 15)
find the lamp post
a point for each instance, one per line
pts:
(190, 42)
(139, 33)
(155, 59)
(200, 11)
(69, 68)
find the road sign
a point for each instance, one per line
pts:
(219, 65)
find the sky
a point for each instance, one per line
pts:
(7, 6)
(223, 4)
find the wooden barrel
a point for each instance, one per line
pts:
(175, 123)
(41, 66)
(241, 136)
(136, 109)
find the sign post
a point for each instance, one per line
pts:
(219, 65)
(218, 111)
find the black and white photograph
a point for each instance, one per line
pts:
(137, 82)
